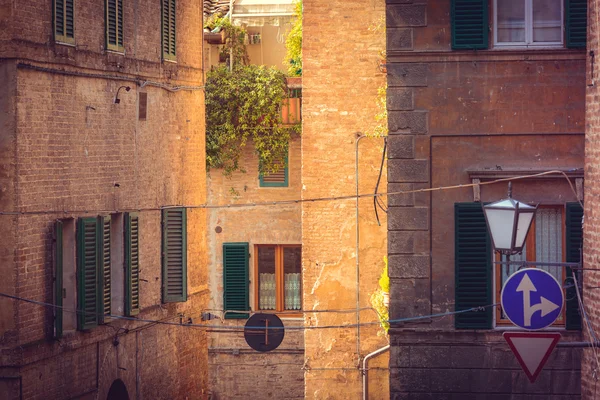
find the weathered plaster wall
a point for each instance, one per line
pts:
(340, 82)
(236, 370)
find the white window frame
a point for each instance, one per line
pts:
(529, 43)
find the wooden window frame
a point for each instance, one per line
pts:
(530, 256)
(63, 38)
(528, 43)
(279, 279)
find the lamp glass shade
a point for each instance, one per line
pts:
(508, 223)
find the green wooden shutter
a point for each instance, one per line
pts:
(574, 239)
(104, 282)
(276, 179)
(132, 264)
(114, 25)
(64, 21)
(236, 294)
(87, 273)
(168, 29)
(174, 255)
(473, 267)
(576, 23)
(58, 279)
(470, 24)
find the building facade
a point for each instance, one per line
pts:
(479, 91)
(102, 128)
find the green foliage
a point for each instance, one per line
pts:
(384, 280)
(241, 105)
(235, 38)
(293, 43)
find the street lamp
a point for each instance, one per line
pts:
(508, 222)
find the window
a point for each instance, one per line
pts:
(114, 25)
(545, 243)
(277, 178)
(235, 280)
(174, 255)
(132, 264)
(278, 272)
(168, 30)
(528, 22)
(519, 23)
(556, 236)
(64, 21)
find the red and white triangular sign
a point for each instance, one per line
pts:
(532, 349)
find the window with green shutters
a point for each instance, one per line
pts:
(574, 243)
(132, 264)
(58, 279)
(235, 279)
(104, 284)
(168, 15)
(279, 178)
(576, 18)
(64, 21)
(114, 25)
(88, 302)
(174, 255)
(470, 24)
(473, 267)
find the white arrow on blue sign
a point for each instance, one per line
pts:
(532, 298)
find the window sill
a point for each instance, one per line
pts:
(65, 43)
(510, 328)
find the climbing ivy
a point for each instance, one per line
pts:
(241, 105)
(235, 37)
(293, 43)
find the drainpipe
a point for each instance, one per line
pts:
(359, 136)
(365, 369)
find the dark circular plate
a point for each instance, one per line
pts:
(264, 332)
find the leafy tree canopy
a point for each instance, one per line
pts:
(293, 43)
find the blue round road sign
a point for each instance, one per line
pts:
(532, 298)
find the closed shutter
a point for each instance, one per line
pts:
(132, 264)
(168, 29)
(114, 25)
(470, 24)
(87, 273)
(58, 279)
(473, 267)
(278, 178)
(64, 21)
(236, 295)
(574, 239)
(174, 255)
(576, 23)
(104, 272)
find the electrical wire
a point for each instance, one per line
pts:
(228, 327)
(377, 202)
(589, 327)
(298, 201)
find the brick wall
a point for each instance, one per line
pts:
(340, 81)
(69, 147)
(451, 112)
(591, 246)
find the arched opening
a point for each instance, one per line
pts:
(118, 391)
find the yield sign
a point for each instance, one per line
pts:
(532, 350)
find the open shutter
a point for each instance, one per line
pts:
(473, 267)
(174, 255)
(470, 24)
(574, 239)
(64, 21)
(104, 285)
(58, 279)
(87, 273)
(576, 23)
(114, 25)
(132, 264)
(168, 29)
(235, 279)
